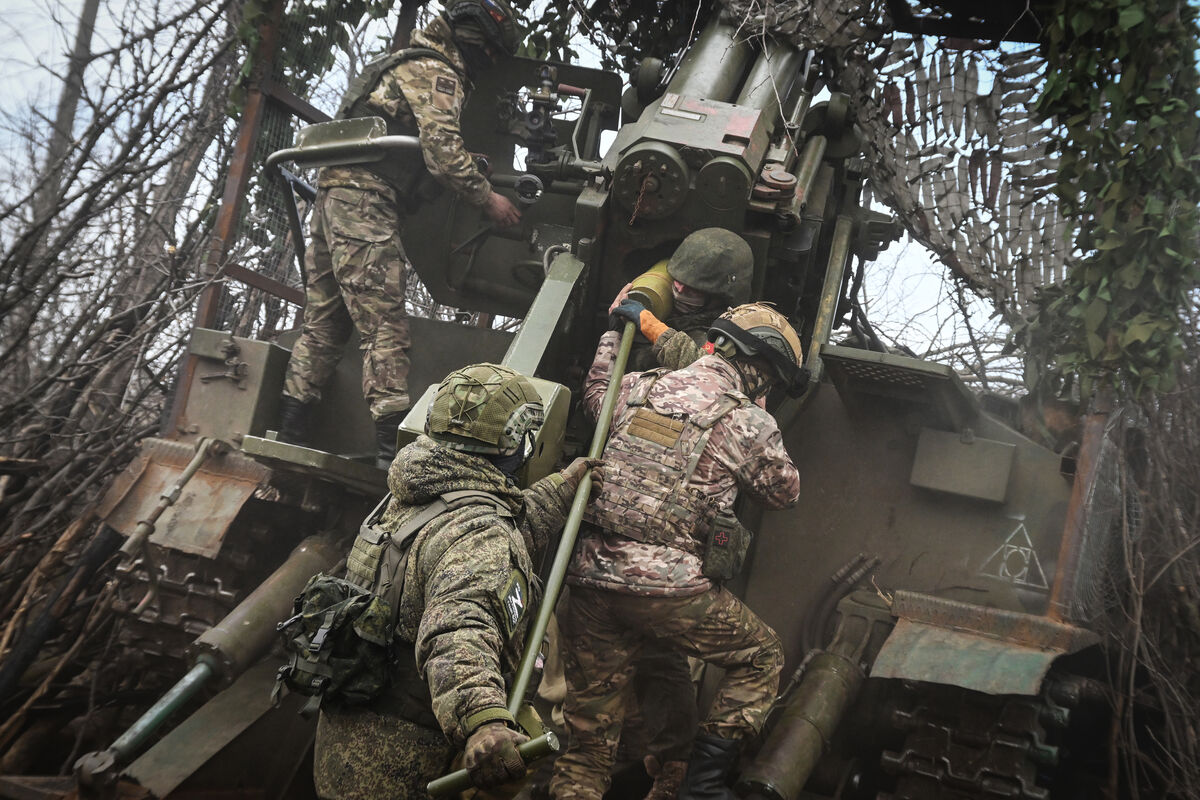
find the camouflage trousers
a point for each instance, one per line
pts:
(604, 633)
(362, 755)
(355, 280)
(662, 717)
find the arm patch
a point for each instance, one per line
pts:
(515, 601)
(444, 92)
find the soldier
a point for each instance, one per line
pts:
(710, 271)
(355, 265)
(465, 600)
(683, 444)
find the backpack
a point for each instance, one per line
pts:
(341, 635)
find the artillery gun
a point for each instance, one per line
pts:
(941, 680)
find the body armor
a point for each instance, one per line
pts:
(650, 458)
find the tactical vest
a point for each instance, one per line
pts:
(649, 459)
(342, 637)
(404, 171)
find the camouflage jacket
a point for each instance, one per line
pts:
(424, 95)
(745, 452)
(469, 585)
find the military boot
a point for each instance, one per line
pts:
(385, 437)
(667, 779)
(708, 768)
(294, 417)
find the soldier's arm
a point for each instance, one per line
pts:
(764, 468)
(676, 349)
(547, 503)
(435, 95)
(461, 636)
(598, 374)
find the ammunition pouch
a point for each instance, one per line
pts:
(725, 547)
(342, 637)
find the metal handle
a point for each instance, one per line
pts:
(460, 781)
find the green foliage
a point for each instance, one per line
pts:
(1122, 84)
(315, 30)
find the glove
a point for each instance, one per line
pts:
(575, 471)
(648, 324)
(631, 310)
(491, 755)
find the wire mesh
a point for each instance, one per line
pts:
(1112, 511)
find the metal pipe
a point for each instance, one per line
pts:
(248, 631)
(770, 80)
(810, 162)
(460, 781)
(835, 270)
(1066, 570)
(566, 543)
(804, 729)
(100, 768)
(364, 152)
(133, 545)
(131, 741)
(714, 65)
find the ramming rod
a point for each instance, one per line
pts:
(460, 780)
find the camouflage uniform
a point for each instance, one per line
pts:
(626, 593)
(467, 592)
(355, 265)
(663, 720)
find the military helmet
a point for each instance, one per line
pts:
(485, 408)
(494, 18)
(716, 261)
(757, 329)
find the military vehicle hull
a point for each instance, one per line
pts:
(929, 587)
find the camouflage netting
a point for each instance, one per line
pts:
(950, 142)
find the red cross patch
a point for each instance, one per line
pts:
(721, 538)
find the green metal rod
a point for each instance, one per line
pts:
(131, 741)
(566, 544)
(460, 781)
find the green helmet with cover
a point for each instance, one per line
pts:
(759, 330)
(493, 18)
(715, 261)
(487, 409)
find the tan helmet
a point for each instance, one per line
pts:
(485, 408)
(757, 329)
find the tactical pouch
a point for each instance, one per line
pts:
(725, 547)
(340, 643)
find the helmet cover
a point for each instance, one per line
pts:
(715, 261)
(487, 409)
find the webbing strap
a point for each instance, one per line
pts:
(707, 420)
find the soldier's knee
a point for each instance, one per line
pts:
(768, 658)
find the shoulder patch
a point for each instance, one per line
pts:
(445, 93)
(515, 601)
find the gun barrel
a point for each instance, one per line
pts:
(714, 66)
(769, 83)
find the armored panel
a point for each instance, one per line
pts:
(910, 380)
(963, 465)
(237, 385)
